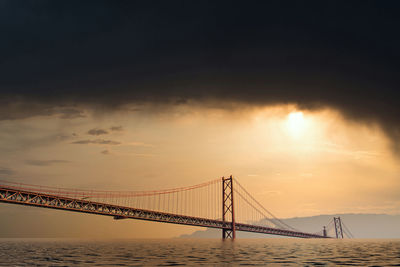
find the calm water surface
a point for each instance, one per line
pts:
(274, 252)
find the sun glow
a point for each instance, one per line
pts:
(296, 124)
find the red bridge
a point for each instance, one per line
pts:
(221, 203)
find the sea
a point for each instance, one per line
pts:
(197, 252)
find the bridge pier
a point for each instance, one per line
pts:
(229, 230)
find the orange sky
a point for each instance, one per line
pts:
(295, 162)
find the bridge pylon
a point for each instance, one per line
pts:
(228, 232)
(338, 227)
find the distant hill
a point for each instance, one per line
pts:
(361, 225)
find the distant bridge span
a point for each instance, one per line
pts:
(88, 202)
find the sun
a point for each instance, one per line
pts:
(296, 124)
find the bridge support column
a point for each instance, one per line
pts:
(228, 232)
(338, 227)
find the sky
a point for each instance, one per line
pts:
(299, 101)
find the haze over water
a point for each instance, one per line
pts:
(170, 252)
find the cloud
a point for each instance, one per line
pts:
(116, 128)
(97, 131)
(313, 54)
(45, 162)
(6, 171)
(96, 142)
(14, 107)
(63, 137)
(70, 113)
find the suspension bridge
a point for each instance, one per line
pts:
(222, 203)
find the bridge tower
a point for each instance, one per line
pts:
(228, 208)
(338, 227)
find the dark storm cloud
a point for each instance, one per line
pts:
(97, 131)
(105, 54)
(45, 162)
(96, 142)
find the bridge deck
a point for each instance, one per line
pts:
(30, 198)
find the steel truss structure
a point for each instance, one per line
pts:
(228, 208)
(29, 198)
(338, 227)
